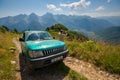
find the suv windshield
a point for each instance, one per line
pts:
(38, 36)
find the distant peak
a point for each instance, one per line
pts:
(32, 14)
(21, 15)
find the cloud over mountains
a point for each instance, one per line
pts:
(77, 5)
(53, 7)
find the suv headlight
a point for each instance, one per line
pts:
(35, 54)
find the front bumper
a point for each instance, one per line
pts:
(41, 62)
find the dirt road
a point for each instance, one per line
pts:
(89, 70)
(51, 72)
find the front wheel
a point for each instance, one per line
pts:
(29, 69)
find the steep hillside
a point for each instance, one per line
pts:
(103, 55)
(22, 22)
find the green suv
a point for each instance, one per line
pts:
(40, 49)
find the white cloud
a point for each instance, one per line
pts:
(108, 1)
(77, 5)
(100, 8)
(53, 7)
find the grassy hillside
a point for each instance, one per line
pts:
(103, 55)
(6, 55)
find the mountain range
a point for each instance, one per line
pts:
(23, 22)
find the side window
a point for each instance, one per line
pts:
(32, 37)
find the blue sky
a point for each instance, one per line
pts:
(94, 8)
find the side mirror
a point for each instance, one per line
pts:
(21, 39)
(53, 37)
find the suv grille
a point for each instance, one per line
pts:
(53, 51)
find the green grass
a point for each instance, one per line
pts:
(6, 68)
(105, 56)
(76, 76)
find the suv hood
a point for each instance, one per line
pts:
(43, 45)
